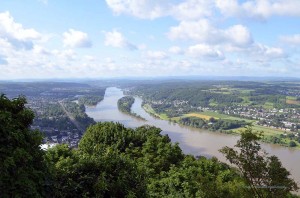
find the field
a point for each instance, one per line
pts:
(209, 114)
(151, 111)
(266, 130)
(198, 115)
(292, 100)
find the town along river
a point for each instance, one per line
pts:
(192, 141)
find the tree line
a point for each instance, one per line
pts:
(213, 124)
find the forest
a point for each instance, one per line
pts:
(114, 161)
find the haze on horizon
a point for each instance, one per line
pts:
(49, 39)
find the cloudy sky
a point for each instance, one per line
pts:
(121, 38)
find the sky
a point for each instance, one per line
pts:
(53, 39)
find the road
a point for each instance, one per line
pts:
(72, 119)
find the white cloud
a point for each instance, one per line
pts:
(157, 55)
(205, 51)
(264, 52)
(146, 9)
(5, 45)
(176, 50)
(260, 9)
(199, 9)
(37, 49)
(66, 55)
(238, 35)
(74, 38)
(228, 7)
(116, 39)
(90, 58)
(15, 34)
(202, 31)
(142, 47)
(192, 9)
(291, 39)
(152, 9)
(195, 30)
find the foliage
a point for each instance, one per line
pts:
(22, 168)
(292, 144)
(125, 103)
(223, 124)
(198, 178)
(194, 122)
(90, 100)
(151, 166)
(214, 124)
(147, 164)
(263, 174)
(78, 112)
(109, 174)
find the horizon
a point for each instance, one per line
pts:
(49, 39)
(160, 78)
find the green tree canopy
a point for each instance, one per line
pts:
(264, 174)
(22, 168)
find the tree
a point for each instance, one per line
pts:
(22, 168)
(198, 178)
(108, 174)
(99, 167)
(292, 144)
(264, 175)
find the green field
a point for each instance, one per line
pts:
(267, 130)
(222, 116)
(151, 111)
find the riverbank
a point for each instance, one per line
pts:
(271, 136)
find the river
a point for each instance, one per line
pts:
(191, 141)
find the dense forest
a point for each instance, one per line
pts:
(115, 161)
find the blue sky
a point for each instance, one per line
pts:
(42, 39)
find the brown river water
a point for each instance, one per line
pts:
(192, 141)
